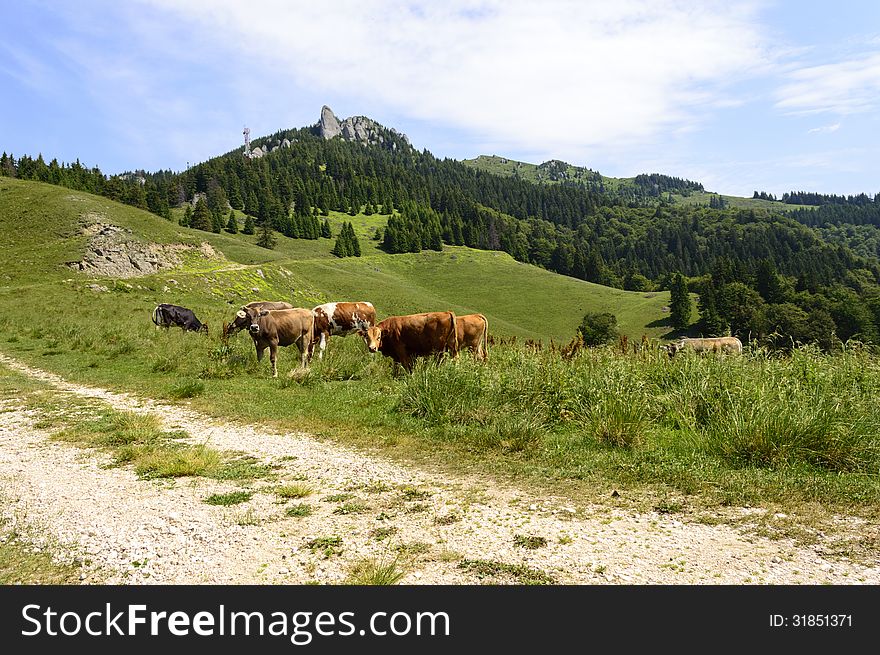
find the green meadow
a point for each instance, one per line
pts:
(693, 435)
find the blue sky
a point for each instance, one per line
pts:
(767, 95)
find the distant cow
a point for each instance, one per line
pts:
(244, 316)
(709, 344)
(403, 338)
(340, 319)
(472, 331)
(282, 327)
(165, 315)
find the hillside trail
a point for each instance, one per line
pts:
(126, 530)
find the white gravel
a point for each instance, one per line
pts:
(131, 531)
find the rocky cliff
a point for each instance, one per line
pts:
(359, 129)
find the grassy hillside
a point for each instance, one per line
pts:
(537, 173)
(44, 221)
(675, 434)
(559, 171)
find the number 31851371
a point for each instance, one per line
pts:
(821, 620)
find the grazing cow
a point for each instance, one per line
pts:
(244, 316)
(403, 338)
(282, 327)
(709, 344)
(165, 315)
(340, 319)
(472, 331)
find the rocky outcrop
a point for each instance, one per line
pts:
(329, 124)
(359, 129)
(112, 252)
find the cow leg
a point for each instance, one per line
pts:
(260, 350)
(304, 355)
(273, 356)
(322, 345)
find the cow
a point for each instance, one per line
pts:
(472, 331)
(340, 319)
(165, 315)
(282, 327)
(403, 338)
(244, 316)
(708, 344)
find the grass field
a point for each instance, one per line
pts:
(687, 434)
(519, 299)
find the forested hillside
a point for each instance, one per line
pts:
(570, 220)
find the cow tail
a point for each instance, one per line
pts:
(155, 315)
(454, 335)
(485, 336)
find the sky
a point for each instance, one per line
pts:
(766, 95)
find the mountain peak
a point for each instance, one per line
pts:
(356, 128)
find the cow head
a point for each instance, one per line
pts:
(254, 320)
(372, 337)
(204, 328)
(240, 322)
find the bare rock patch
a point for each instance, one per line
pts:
(112, 251)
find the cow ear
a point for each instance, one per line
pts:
(241, 313)
(264, 312)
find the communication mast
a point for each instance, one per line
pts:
(247, 142)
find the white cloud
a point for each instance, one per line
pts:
(824, 128)
(556, 77)
(846, 87)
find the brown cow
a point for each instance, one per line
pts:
(708, 344)
(472, 331)
(282, 327)
(403, 338)
(340, 319)
(244, 316)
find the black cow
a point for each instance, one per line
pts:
(165, 315)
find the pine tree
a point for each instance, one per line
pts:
(248, 225)
(232, 223)
(711, 323)
(186, 219)
(201, 216)
(680, 303)
(325, 229)
(354, 244)
(266, 237)
(341, 248)
(347, 244)
(217, 223)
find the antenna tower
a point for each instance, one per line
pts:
(247, 142)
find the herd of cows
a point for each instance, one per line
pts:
(402, 338)
(274, 324)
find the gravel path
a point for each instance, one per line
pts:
(132, 531)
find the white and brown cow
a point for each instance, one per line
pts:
(403, 338)
(705, 345)
(282, 327)
(472, 331)
(340, 319)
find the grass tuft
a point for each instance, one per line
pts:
(231, 498)
(375, 572)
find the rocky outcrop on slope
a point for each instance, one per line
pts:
(111, 251)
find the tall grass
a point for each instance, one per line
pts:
(737, 428)
(807, 409)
